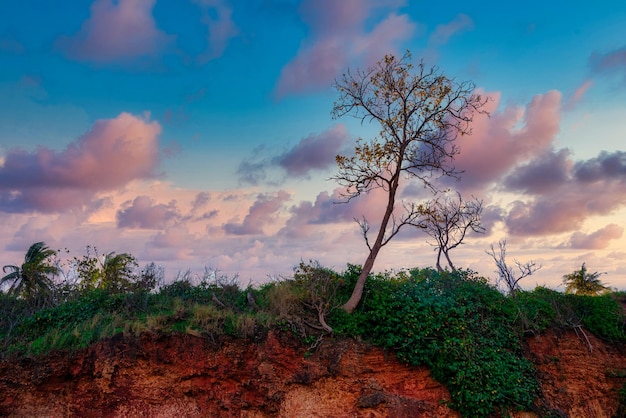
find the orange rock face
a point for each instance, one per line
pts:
(580, 375)
(185, 376)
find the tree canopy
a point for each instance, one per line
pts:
(581, 282)
(31, 280)
(421, 114)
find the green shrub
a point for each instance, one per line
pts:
(456, 324)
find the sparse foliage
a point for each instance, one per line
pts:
(112, 272)
(448, 220)
(319, 286)
(581, 282)
(32, 280)
(506, 274)
(421, 113)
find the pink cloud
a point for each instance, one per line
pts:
(339, 35)
(597, 240)
(261, 213)
(116, 31)
(507, 138)
(332, 208)
(315, 152)
(578, 94)
(543, 174)
(114, 152)
(143, 213)
(589, 188)
(217, 16)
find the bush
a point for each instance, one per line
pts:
(456, 324)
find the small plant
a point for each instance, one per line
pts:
(581, 282)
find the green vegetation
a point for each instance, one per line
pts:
(583, 283)
(468, 333)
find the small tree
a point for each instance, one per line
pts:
(32, 280)
(505, 272)
(112, 272)
(421, 113)
(581, 282)
(448, 220)
(318, 286)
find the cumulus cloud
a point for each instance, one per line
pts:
(217, 16)
(588, 188)
(143, 213)
(607, 165)
(261, 214)
(114, 152)
(506, 139)
(332, 208)
(314, 152)
(339, 34)
(543, 174)
(116, 31)
(597, 240)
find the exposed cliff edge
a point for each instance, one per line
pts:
(187, 376)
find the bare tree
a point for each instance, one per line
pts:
(448, 220)
(421, 113)
(505, 272)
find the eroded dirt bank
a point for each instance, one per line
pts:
(186, 376)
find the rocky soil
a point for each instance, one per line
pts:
(186, 376)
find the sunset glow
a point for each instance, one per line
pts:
(198, 133)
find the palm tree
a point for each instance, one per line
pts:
(117, 271)
(582, 283)
(31, 281)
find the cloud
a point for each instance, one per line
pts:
(312, 153)
(597, 240)
(144, 214)
(614, 61)
(315, 152)
(114, 152)
(443, 33)
(116, 31)
(592, 187)
(505, 139)
(339, 35)
(261, 213)
(332, 208)
(543, 174)
(217, 16)
(578, 94)
(608, 165)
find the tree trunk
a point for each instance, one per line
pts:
(449, 261)
(357, 293)
(439, 260)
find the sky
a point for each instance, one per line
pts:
(198, 133)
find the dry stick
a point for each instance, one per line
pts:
(578, 327)
(217, 301)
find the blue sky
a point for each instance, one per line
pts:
(198, 133)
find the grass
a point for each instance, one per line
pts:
(460, 326)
